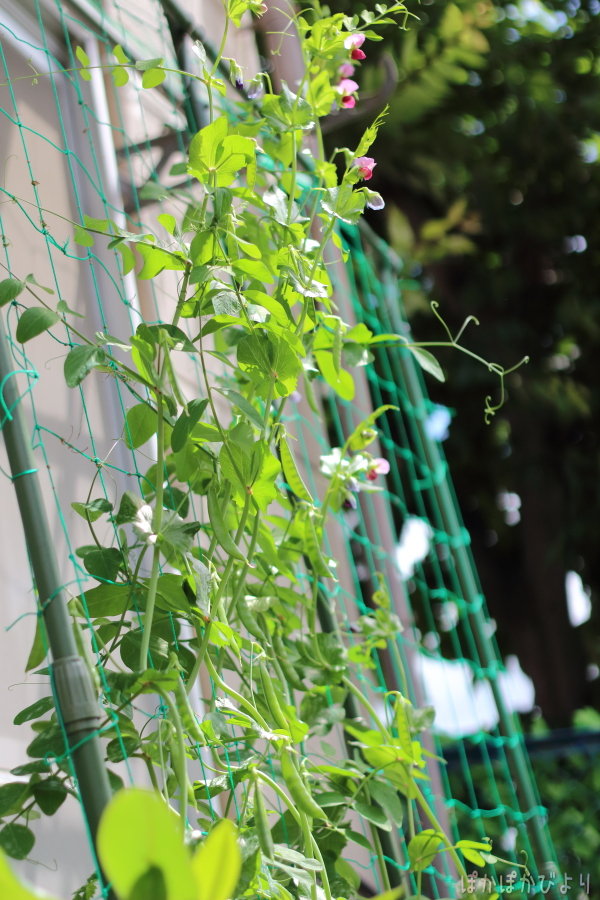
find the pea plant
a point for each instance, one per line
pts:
(218, 569)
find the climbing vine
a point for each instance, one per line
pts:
(218, 573)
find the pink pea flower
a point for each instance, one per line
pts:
(346, 70)
(365, 165)
(379, 467)
(353, 42)
(346, 88)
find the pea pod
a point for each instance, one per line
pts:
(219, 527)
(313, 549)
(261, 821)
(299, 792)
(291, 676)
(270, 698)
(291, 473)
(249, 621)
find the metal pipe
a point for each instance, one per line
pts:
(76, 700)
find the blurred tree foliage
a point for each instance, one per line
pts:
(491, 175)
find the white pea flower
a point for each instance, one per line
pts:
(142, 524)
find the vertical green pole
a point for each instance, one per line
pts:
(76, 700)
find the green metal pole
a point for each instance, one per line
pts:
(76, 700)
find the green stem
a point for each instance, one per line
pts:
(134, 578)
(356, 692)
(182, 292)
(151, 773)
(380, 860)
(307, 837)
(221, 49)
(199, 658)
(229, 566)
(178, 755)
(438, 827)
(244, 571)
(156, 524)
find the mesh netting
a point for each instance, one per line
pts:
(73, 148)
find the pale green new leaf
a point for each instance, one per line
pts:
(217, 863)
(138, 830)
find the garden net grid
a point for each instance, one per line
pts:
(73, 148)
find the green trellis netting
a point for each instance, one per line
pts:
(71, 148)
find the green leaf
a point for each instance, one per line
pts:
(85, 61)
(141, 422)
(243, 405)
(343, 203)
(32, 768)
(156, 260)
(150, 886)
(428, 362)
(185, 423)
(39, 648)
(34, 711)
(82, 237)
(287, 111)
(254, 268)
(120, 76)
(128, 508)
(473, 856)
(217, 863)
(214, 151)
(142, 65)
(130, 650)
(102, 562)
(93, 510)
(107, 600)
(388, 799)
(342, 382)
(139, 831)
(423, 849)
(35, 321)
(348, 873)
(49, 794)
(11, 796)
(204, 147)
(80, 361)
(269, 358)
(170, 595)
(49, 742)
(370, 134)
(120, 55)
(10, 288)
(226, 303)
(17, 840)
(153, 77)
(372, 814)
(168, 222)
(361, 436)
